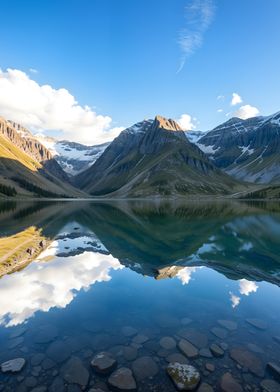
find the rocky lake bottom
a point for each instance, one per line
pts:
(147, 299)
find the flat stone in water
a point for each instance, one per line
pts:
(140, 339)
(48, 364)
(229, 384)
(58, 351)
(74, 372)
(188, 349)
(30, 382)
(122, 380)
(259, 324)
(210, 367)
(247, 360)
(144, 367)
(184, 377)
(216, 350)
(46, 334)
(270, 386)
(274, 370)
(130, 353)
(228, 324)
(13, 366)
(219, 332)
(197, 338)
(186, 321)
(205, 388)
(205, 352)
(167, 342)
(103, 363)
(129, 331)
(177, 357)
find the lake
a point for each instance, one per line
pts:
(147, 283)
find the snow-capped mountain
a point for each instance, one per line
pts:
(73, 157)
(246, 149)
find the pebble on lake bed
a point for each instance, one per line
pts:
(184, 377)
(103, 363)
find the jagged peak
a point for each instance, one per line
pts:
(167, 124)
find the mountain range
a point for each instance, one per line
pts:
(152, 158)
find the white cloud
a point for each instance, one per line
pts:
(220, 110)
(199, 15)
(43, 108)
(246, 111)
(185, 274)
(246, 287)
(236, 99)
(220, 98)
(33, 70)
(235, 301)
(186, 122)
(42, 286)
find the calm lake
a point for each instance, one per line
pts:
(137, 280)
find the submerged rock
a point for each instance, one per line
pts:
(122, 380)
(229, 384)
(205, 352)
(228, 324)
(130, 353)
(188, 349)
(274, 370)
(270, 386)
(205, 388)
(247, 360)
(140, 339)
(259, 324)
(216, 350)
(13, 366)
(103, 363)
(184, 377)
(144, 367)
(219, 332)
(74, 372)
(177, 357)
(58, 351)
(197, 338)
(167, 342)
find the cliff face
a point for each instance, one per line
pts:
(26, 142)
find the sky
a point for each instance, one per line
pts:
(85, 69)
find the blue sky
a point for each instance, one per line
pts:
(121, 58)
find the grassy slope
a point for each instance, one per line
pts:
(16, 163)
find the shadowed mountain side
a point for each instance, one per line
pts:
(33, 181)
(155, 159)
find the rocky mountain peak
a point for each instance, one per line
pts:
(167, 124)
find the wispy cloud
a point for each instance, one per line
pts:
(236, 99)
(199, 15)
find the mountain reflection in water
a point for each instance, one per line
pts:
(223, 253)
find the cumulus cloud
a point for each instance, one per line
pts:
(199, 15)
(44, 108)
(236, 99)
(42, 286)
(246, 111)
(186, 122)
(185, 274)
(235, 300)
(246, 287)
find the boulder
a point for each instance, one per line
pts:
(185, 377)
(144, 367)
(103, 363)
(188, 349)
(229, 384)
(13, 366)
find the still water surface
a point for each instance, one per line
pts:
(206, 273)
